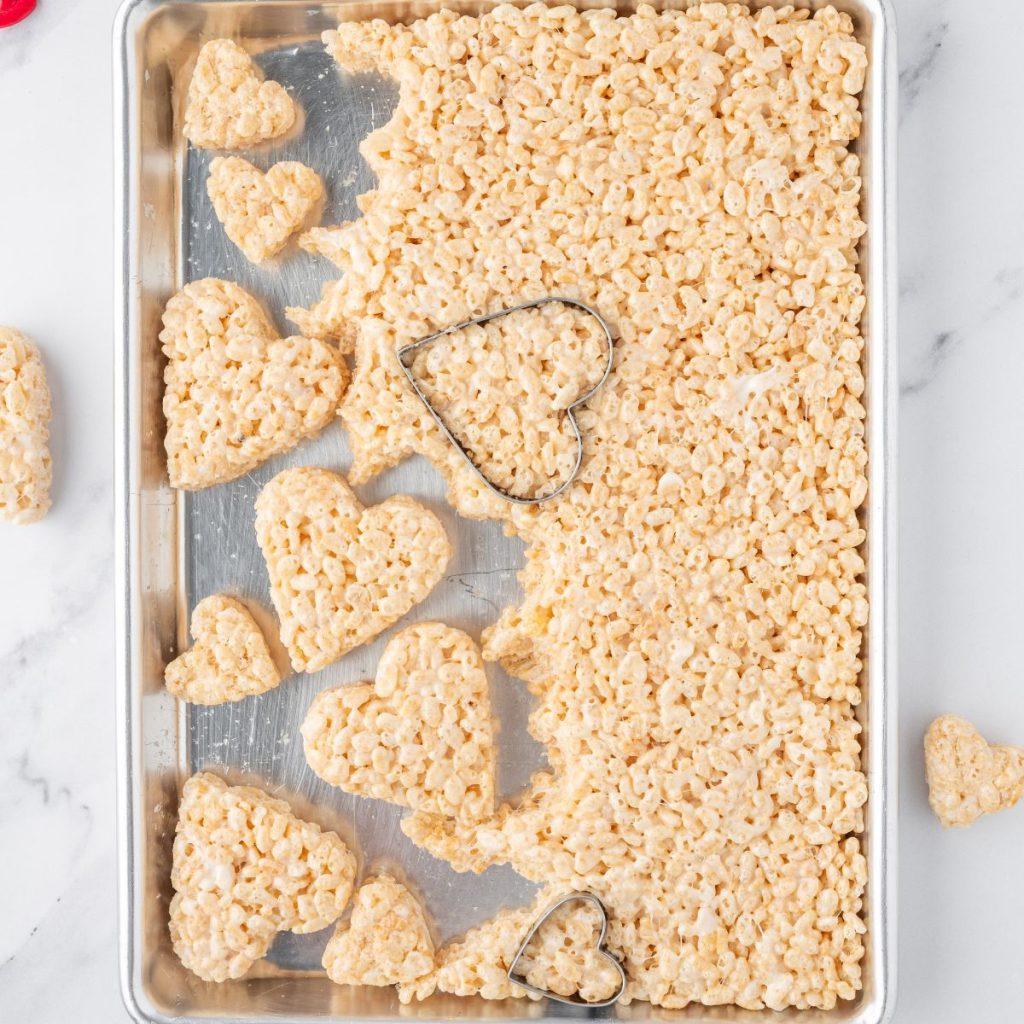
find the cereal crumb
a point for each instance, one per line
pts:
(25, 467)
(229, 659)
(230, 106)
(244, 868)
(967, 776)
(340, 573)
(235, 394)
(386, 942)
(261, 211)
(420, 736)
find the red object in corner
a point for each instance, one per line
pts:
(12, 11)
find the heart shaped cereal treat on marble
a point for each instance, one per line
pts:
(229, 105)
(244, 868)
(385, 942)
(235, 394)
(25, 467)
(340, 573)
(261, 211)
(229, 659)
(420, 736)
(967, 776)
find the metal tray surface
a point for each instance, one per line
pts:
(176, 548)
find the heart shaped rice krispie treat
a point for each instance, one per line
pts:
(340, 574)
(229, 659)
(230, 106)
(235, 394)
(25, 468)
(967, 776)
(562, 957)
(386, 941)
(244, 868)
(420, 736)
(261, 211)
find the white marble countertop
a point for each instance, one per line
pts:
(961, 211)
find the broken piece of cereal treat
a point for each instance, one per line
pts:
(967, 776)
(340, 573)
(229, 659)
(234, 392)
(230, 106)
(386, 941)
(260, 212)
(25, 467)
(420, 736)
(562, 957)
(244, 868)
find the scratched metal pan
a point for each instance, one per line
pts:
(176, 548)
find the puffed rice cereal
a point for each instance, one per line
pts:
(340, 574)
(25, 467)
(420, 736)
(229, 659)
(694, 604)
(229, 105)
(386, 942)
(562, 957)
(245, 868)
(234, 393)
(967, 776)
(260, 212)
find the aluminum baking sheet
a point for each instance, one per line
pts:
(176, 549)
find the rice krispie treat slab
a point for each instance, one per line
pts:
(967, 776)
(229, 660)
(245, 868)
(340, 573)
(260, 212)
(421, 735)
(230, 106)
(25, 467)
(234, 393)
(694, 604)
(385, 942)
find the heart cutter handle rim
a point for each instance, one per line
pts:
(573, 897)
(419, 343)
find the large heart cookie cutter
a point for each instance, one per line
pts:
(406, 351)
(573, 897)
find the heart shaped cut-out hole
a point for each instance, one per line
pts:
(229, 659)
(340, 573)
(555, 939)
(420, 735)
(261, 211)
(967, 776)
(234, 392)
(230, 106)
(504, 389)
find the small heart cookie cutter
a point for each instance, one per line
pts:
(602, 950)
(407, 350)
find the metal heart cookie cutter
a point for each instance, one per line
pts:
(602, 950)
(408, 350)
